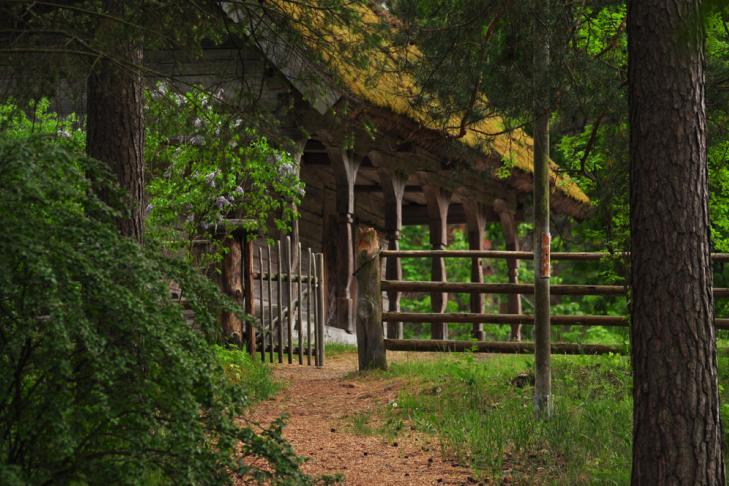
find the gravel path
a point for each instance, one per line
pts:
(320, 404)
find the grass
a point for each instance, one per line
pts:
(334, 349)
(481, 412)
(253, 375)
(480, 409)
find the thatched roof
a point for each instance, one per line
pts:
(382, 84)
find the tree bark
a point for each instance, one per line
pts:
(676, 424)
(115, 119)
(542, 349)
(370, 333)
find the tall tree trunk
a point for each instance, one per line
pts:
(542, 328)
(676, 425)
(115, 118)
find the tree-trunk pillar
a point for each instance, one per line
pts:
(677, 437)
(115, 120)
(345, 167)
(232, 286)
(249, 297)
(508, 225)
(393, 188)
(542, 238)
(370, 334)
(438, 201)
(475, 225)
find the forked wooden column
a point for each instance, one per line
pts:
(476, 224)
(508, 224)
(345, 167)
(438, 200)
(393, 188)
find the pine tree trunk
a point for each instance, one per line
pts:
(115, 119)
(676, 426)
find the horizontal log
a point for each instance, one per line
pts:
(467, 317)
(499, 288)
(506, 288)
(524, 347)
(502, 318)
(519, 255)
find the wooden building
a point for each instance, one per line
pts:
(368, 157)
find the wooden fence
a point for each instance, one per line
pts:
(289, 315)
(510, 288)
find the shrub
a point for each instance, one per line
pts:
(101, 378)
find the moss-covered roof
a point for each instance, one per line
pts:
(382, 84)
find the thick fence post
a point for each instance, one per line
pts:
(250, 309)
(370, 333)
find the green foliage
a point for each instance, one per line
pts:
(205, 167)
(103, 379)
(481, 412)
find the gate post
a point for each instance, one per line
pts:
(370, 333)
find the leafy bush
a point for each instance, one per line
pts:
(102, 379)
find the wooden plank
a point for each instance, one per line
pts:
(499, 288)
(321, 310)
(308, 308)
(299, 321)
(263, 310)
(521, 255)
(270, 304)
(589, 320)
(280, 306)
(249, 294)
(289, 301)
(432, 345)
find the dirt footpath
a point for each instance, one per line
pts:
(320, 404)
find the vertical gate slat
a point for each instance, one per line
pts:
(260, 303)
(308, 308)
(298, 313)
(316, 309)
(270, 303)
(289, 299)
(322, 317)
(280, 305)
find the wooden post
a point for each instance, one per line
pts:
(475, 224)
(232, 286)
(308, 305)
(299, 323)
(393, 189)
(280, 304)
(270, 305)
(289, 302)
(263, 307)
(321, 309)
(508, 225)
(345, 170)
(543, 374)
(370, 333)
(247, 261)
(438, 201)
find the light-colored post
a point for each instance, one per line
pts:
(321, 310)
(308, 307)
(290, 301)
(270, 305)
(299, 323)
(542, 345)
(260, 303)
(250, 306)
(280, 305)
(370, 333)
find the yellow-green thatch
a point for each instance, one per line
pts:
(383, 85)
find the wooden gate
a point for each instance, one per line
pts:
(286, 298)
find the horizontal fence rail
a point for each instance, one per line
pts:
(506, 347)
(561, 320)
(435, 345)
(518, 255)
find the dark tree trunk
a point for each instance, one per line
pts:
(115, 119)
(676, 427)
